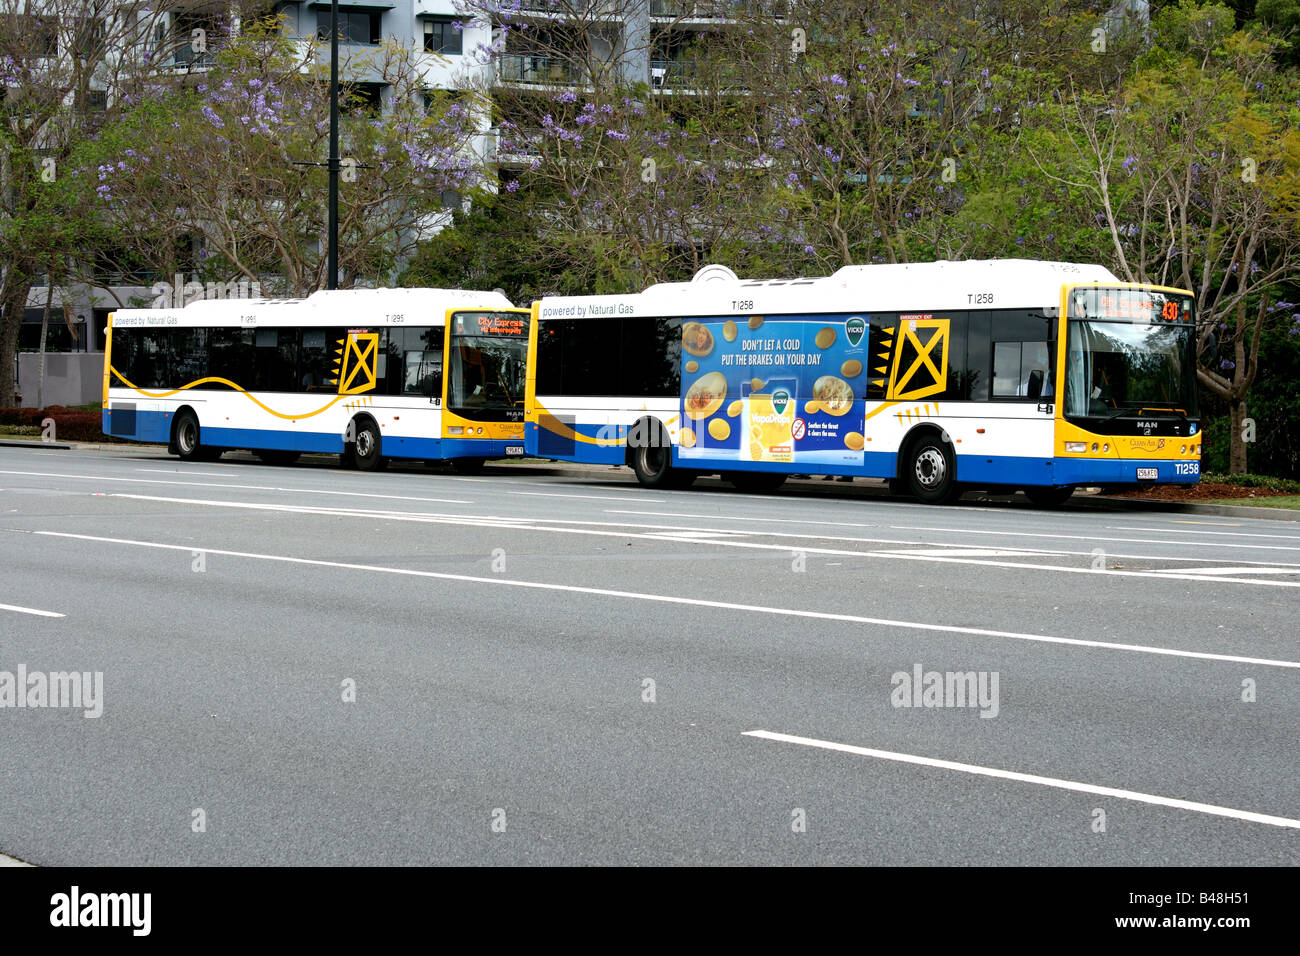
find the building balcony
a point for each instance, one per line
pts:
(714, 9)
(540, 70)
(673, 74)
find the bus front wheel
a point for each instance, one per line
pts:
(365, 450)
(932, 471)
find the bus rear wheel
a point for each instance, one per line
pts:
(1048, 497)
(932, 471)
(652, 458)
(185, 437)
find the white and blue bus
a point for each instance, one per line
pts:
(997, 374)
(368, 374)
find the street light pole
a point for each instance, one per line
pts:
(332, 255)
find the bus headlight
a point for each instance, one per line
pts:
(1076, 447)
(1094, 446)
(1182, 450)
(1106, 447)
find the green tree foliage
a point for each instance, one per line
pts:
(236, 163)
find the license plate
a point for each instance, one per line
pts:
(514, 449)
(1148, 474)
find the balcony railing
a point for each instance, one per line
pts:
(673, 74)
(716, 9)
(548, 70)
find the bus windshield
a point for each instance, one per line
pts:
(488, 352)
(1130, 353)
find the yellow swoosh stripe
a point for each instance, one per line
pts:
(226, 381)
(564, 431)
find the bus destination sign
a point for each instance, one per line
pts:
(492, 323)
(1131, 305)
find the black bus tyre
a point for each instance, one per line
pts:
(185, 437)
(756, 482)
(1046, 497)
(932, 470)
(468, 466)
(652, 457)
(272, 456)
(366, 447)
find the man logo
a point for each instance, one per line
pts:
(854, 329)
(780, 399)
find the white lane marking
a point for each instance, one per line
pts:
(674, 599)
(1230, 534)
(1248, 816)
(1089, 537)
(551, 494)
(477, 520)
(186, 471)
(758, 518)
(219, 484)
(30, 610)
(1054, 782)
(701, 535)
(10, 861)
(960, 552)
(668, 534)
(1251, 570)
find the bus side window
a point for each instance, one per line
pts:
(423, 373)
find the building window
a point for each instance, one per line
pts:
(441, 37)
(450, 200)
(355, 26)
(362, 99)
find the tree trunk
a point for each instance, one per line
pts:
(1237, 439)
(13, 302)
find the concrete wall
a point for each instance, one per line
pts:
(71, 378)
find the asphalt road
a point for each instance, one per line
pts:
(554, 668)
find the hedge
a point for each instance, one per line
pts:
(70, 424)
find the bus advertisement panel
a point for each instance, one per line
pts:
(782, 391)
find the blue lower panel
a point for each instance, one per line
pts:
(1112, 471)
(278, 440)
(128, 423)
(469, 448)
(144, 426)
(1021, 472)
(544, 443)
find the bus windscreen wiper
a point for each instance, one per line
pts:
(1138, 410)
